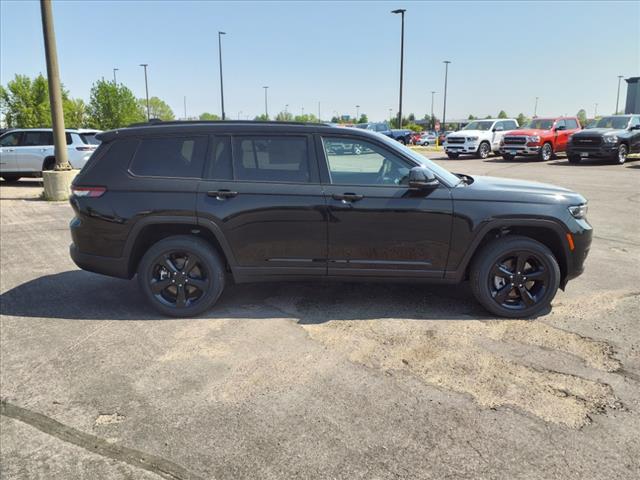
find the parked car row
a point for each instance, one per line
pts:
(613, 137)
(29, 152)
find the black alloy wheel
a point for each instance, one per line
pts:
(518, 280)
(179, 279)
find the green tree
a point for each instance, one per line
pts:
(363, 118)
(522, 119)
(503, 114)
(335, 119)
(208, 116)
(26, 102)
(157, 108)
(471, 117)
(411, 118)
(113, 106)
(582, 116)
(262, 118)
(284, 117)
(306, 118)
(75, 113)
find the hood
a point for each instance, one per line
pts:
(528, 132)
(511, 190)
(468, 133)
(591, 132)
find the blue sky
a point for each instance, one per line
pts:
(504, 54)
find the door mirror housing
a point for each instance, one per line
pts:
(421, 178)
(498, 129)
(561, 127)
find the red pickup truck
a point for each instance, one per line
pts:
(541, 137)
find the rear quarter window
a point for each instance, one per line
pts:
(109, 160)
(181, 157)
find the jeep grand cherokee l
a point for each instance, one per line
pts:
(611, 138)
(189, 206)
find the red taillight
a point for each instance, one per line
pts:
(92, 192)
(88, 148)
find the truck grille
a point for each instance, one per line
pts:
(515, 140)
(587, 141)
(455, 139)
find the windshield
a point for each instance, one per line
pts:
(540, 124)
(479, 126)
(618, 123)
(444, 174)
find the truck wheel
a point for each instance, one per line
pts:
(575, 159)
(181, 276)
(515, 277)
(621, 156)
(508, 157)
(545, 153)
(484, 150)
(453, 156)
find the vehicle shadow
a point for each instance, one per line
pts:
(34, 182)
(82, 295)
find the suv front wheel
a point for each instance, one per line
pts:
(181, 276)
(515, 277)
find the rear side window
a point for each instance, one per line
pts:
(571, 123)
(170, 157)
(271, 159)
(35, 139)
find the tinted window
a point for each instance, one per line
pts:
(35, 138)
(271, 159)
(510, 125)
(170, 157)
(10, 139)
(561, 123)
(571, 123)
(90, 138)
(358, 162)
(219, 162)
(635, 121)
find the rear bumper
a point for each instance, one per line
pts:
(601, 151)
(113, 267)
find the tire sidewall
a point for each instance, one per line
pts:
(624, 148)
(486, 151)
(547, 146)
(205, 252)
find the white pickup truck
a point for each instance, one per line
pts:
(479, 138)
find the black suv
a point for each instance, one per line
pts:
(189, 206)
(611, 138)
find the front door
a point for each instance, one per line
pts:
(562, 134)
(263, 193)
(377, 226)
(8, 145)
(34, 147)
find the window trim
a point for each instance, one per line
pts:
(141, 138)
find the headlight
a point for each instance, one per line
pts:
(610, 138)
(534, 139)
(578, 211)
(472, 139)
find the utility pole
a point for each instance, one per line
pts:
(444, 108)
(401, 11)
(266, 110)
(220, 57)
(357, 113)
(146, 87)
(618, 96)
(185, 107)
(115, 82)
(55, 92)
(535, 109)
(433, 121)
(318, 111)
(595, 115)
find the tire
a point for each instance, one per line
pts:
(11, 178)
(206, 275)
(498, 289)
(484, 150)
(545, 153)
(508, 157)
(621, 156)
(453, 156)
(575, 159)
(49, 164)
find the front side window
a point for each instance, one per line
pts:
(358, 162)
(10, 139)
(619, 123)
(561, 123)
(271, 159)
(180, 157)
(480, 125)
(571, 123)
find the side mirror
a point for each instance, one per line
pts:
(635, 127)
(498, 129)
(561, 127)
(421, 178)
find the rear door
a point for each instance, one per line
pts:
(376, 226)
(8, 144)
(34, 147)
(263, 193)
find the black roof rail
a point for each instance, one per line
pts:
(155, 121)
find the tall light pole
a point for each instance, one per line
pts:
(146, 87)
(55, 92)
(390, 114)
(318, 111)
(357, 113)
(444, 107)
(266, 110)
(239, 113)
(595, 115)
(401, 11)
(220, 58)
(433, 125)
(185, 107)
(116, 69)
(535, 109)
(618, 96)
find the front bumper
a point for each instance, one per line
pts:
(466, 147)
(581, 232)
(601, 151)
(520, 149)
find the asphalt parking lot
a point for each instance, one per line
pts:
(321, 380)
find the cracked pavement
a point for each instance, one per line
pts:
(308, 380)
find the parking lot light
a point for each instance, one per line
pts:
(401, 11)
(220, 58)
(146, 87)
(444, 107)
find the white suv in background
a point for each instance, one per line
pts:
(27, 152)
(479, 138)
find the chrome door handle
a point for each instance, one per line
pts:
(222, 194)
(347, 197)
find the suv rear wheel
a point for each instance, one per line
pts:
(515, 277)
(181, 276)
(484, 150)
